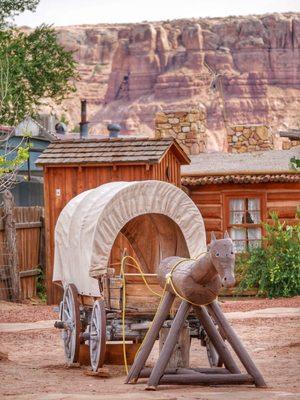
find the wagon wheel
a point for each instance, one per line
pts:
(213, 356)
(70, 315)
(97, 340)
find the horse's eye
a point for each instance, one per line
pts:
(217, 254)
(232, 252)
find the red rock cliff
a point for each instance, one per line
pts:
(129, 72)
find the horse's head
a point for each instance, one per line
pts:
(223, 258)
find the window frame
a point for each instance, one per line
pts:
(235, 195)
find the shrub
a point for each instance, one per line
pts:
(274, 268)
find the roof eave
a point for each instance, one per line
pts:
(92, 163)
(181, 154)
(262, 172)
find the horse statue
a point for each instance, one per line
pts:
(200, 281)
(197, 283)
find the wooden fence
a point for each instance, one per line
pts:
(29, 250)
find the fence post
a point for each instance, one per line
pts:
(10, 235)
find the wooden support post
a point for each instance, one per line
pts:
(207, 379)
(216, 339)
(42, 250)
(169, 345)
(236, 344)
(152, 334)
(181, 355)
(11, 244)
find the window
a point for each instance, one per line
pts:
(244, 222)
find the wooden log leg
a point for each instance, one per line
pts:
(146, 372)
(152, 334)
(207, 379)
(169, 345)
(216, 339)
(237, 345)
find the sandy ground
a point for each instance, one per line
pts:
(35, 311)
(35, 367)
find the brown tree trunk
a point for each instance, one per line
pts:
(11, 244)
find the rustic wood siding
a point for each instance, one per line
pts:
(171, 164)
(282, 198)
(28, 226)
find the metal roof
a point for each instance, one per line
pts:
(107, 151)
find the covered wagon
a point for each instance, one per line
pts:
(104, 301)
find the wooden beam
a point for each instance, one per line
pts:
(236, 344)
(146, 372)
(152, 334)
(11, 245)
(206, 379)
(216, 339)
(29, 272)
(169, 345)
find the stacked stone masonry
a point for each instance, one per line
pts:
(248, 138)
(188, 127)
(288, 144)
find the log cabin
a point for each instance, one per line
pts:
(237, 192)
(73, 166)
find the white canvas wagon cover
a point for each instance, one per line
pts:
(89, 224)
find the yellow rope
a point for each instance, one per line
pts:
(138, 267)
(168, 281)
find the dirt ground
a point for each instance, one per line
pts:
(35, 367)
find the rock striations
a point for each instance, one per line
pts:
(244, 70)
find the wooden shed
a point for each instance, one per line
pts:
(237, 192)
(73, 166)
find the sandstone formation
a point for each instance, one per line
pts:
(245, 70)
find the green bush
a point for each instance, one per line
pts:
(274, 268)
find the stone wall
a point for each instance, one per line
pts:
(248, 138)
(288, 144)
(188, 127)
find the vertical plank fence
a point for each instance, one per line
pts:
(29, 250)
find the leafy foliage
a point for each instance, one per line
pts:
(11, 159)
(8, 165)
(295, 163)
(33, 67)
(11, 8)
(273, 269)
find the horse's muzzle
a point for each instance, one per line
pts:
(228, 281)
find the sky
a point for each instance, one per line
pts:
(74, 12)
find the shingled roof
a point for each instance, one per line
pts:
(258, 167)
(107, 151)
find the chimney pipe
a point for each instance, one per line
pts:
(84, 123)
(114, 130)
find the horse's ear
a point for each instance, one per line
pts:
(226, 235)
(213, 237)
